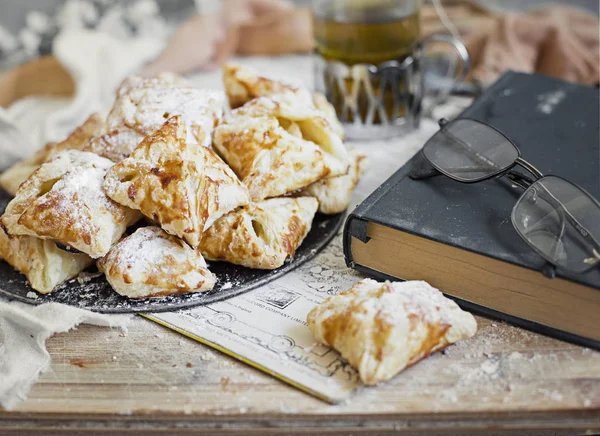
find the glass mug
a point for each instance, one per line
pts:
(368, 63)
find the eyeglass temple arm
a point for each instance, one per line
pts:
(429, 171)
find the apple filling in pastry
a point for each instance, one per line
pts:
(183, 188)
(335, 193)
(382, 328)
(278, 145)
(243, 84)
(63, 200)
(151, 263)
(44, 264)
(12, 178)
(262, 235)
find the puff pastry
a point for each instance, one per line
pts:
(41, 261)
(262, 235)
(183, 188)
(12, 178)
(63, 200)
(116, 145)
(335, 193)
(278, 145)
(382, 328)
(243, 84)
(152, 263)
(143, 105)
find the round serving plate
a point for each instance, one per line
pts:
(94, 293)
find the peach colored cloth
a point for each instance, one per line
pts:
(556, 41)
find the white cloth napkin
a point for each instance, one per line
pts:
(98, 62)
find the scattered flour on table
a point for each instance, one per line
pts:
(480, 367)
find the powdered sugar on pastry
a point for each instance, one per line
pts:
(243, 84)
(144, 106)
(63, 200)
(151, 263)
(115, 145)
(183, 188)
(381, 328)
(77, 140)
(335, 193)
(261, 235)
(279, 144)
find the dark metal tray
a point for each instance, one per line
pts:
(97, 295)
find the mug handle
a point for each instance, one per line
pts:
(463, 55)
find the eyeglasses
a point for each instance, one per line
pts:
(558, 219)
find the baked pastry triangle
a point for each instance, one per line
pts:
(335, 193)
(262, 235)
(12, 178)
(143, 105)
(183, 188)
(382, 328)
(152, 263)
(243, 84)
(44, 264)
(63, 200)
(279, 144)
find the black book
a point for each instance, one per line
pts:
(459, 237)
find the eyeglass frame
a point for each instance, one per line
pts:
(521, 180)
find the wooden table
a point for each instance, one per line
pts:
(503, 381)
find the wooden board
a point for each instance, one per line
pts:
(503, 380)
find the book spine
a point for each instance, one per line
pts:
(356, 224)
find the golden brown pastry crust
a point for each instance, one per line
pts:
(151, 263)
(41, 261)
(115, 145)
(183, 188)
(63, 200)
(335, 193)
(243, 84)
(262, 235)
(278, 145)
(12, 178)
(143, 105)
(381, 328)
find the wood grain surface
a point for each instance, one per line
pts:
(503, 381)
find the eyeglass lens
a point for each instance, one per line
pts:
(468, 151)
(560, 221)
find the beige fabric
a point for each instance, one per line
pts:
(558, 42)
